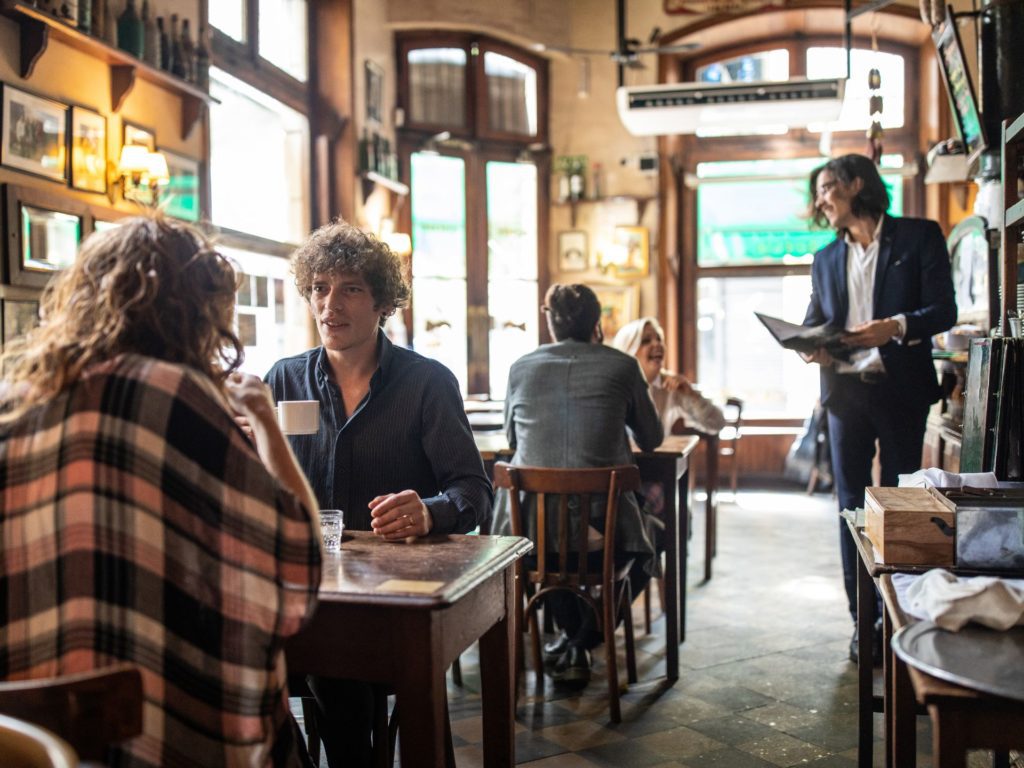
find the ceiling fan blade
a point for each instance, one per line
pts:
(541, 48)
(680, 47)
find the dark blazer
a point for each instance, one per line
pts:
(912, 277)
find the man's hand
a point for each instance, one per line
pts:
(398, 516)
(819, 356)
(874, 333)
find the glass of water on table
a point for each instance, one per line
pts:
(332, 523)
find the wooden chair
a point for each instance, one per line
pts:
(730, 436)
(91, 711)
(566, 570)
(23, 745)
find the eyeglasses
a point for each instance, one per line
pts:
(824, 189)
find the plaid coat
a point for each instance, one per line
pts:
(137, 524)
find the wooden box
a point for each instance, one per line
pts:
(910, 526)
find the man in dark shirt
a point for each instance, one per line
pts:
(394, 450)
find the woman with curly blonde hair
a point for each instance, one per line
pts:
(138, 522)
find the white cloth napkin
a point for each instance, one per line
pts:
(938, 478)
(950, 601)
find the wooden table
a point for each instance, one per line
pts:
(400, 614)
(961, 718)
(668, 464)
(896, 702)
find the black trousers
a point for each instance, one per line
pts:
(866, 413)
(344, 718)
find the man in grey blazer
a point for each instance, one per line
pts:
(569, 405)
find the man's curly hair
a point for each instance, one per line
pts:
(341, 247)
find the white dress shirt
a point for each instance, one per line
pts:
(860, 288)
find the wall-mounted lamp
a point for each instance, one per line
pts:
(612, 257)
(399, 243)
(142, 173)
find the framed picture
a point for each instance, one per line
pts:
(620, 304)
(88, 150)
(632, 251)
(44, 230)
(19, 317)
(180, 198)
(572, 251)
(136, 134)
(34, 134)
(374, 92)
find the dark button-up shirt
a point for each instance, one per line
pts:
(409, 432)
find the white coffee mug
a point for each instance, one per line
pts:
(299, 417)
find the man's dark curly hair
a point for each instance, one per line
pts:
(341, 247)
(873, 198)
(573, 311)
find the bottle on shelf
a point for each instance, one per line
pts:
(202, 71)
(165, 45)
(176, 64)
(99, 10)
(110, 22)
(84, 13)
(188, 52)
(129, 30)
(597, 181)
(151, 37)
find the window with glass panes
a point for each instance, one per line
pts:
(473, 109)
(260, 166)
(752, 244)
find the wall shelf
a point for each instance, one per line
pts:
(36, 29)
(640, 200)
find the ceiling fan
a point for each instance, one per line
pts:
(627, 50)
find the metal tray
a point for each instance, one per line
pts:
(976, 657)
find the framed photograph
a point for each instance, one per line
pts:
(620, 304)
(632, 247)
(34, 134)
(374, 92)
(572, 251)
(19, 317)
(88, 150)
(136, 134)
(180, 198)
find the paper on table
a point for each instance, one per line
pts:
(807, 338)
(410, 585)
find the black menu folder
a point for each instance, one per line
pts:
(807, 338)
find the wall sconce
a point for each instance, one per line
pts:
(399, 242)
(612, 256)
(142, 173)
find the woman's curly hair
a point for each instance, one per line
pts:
(341, 247)
(151, 286)
(573, 311)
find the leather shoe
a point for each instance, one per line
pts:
(572, 670)
(556, 647)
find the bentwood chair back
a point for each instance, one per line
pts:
(92, 711)
(730, 437)
(563, 565)
(23, 745)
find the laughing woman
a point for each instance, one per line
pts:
(674, 396)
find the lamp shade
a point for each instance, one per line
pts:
(134, 159)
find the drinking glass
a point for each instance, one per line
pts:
(332, 523)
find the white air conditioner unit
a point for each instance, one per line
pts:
(659, 110)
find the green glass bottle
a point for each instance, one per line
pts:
(130, 32)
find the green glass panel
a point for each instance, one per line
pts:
(438, 199)
(771, 224)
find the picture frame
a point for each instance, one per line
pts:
(620, 304)
(180, 197)
(45, 229)
(137, 134)
(374, 74)
(19, 317)
(34, 134)
(573, 255)
(633, 251)
(88, 150)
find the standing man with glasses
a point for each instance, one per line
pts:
(886, 280)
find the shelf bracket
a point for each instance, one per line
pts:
(122, 80)
(34, 37)
(191, 111)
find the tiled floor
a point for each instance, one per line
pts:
(764, 678)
